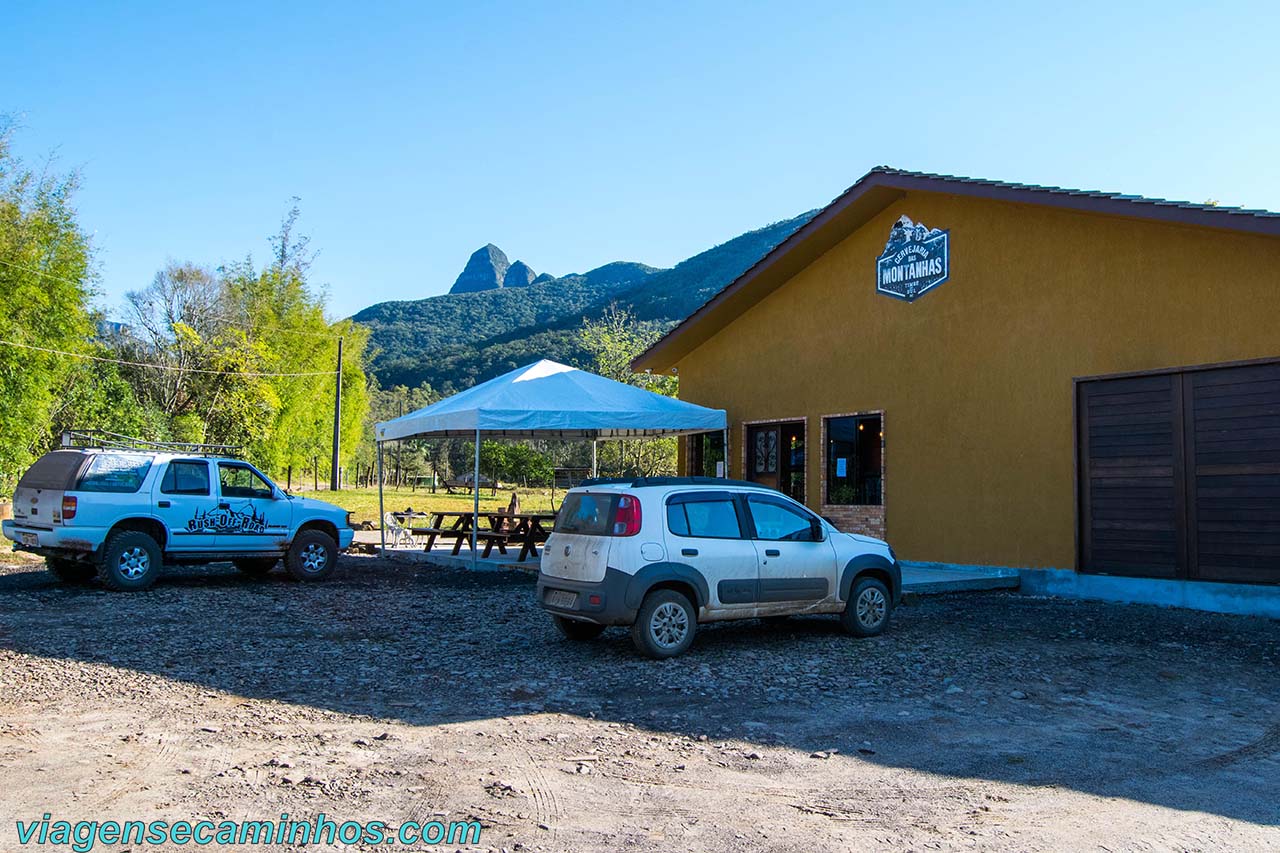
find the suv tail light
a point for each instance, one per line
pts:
(68, 508)
(626, 520)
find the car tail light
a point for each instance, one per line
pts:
(626, 520)
(68, 508)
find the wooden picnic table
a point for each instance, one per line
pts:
(529, 529)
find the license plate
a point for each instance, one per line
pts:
(30, 539)
(564, 600)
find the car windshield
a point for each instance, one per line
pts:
(586, 514)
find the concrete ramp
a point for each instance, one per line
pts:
(935, 578)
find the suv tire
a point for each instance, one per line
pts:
(572, 629)
(131, 561)
(665, 625)
(257, 566)
(312, 556)
(70, 571)
(866, 613)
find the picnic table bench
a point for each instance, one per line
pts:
(527, 528)
(457, 485)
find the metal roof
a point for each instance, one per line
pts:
(1067, 191)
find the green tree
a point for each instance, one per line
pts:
(278, 307)
(45, 276)
(613, 341)
(404, 458)
(95, 395)
(249, 358)
(527, 465)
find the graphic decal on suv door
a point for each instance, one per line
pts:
(228, 521)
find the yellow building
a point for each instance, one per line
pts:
(1001, 374)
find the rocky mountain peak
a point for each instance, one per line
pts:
(486, 269)
(518, 275)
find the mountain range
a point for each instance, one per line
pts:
(500, 315)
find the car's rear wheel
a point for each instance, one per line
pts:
(257, 566)
(131, 561)
(574, 630)
(665, 625)
(70, 571)
(312, 556)
(867, 611)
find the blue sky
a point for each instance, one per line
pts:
(574, 134)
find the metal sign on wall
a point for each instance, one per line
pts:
(915, 260)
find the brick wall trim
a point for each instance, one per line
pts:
(803, 421)
(864, 519)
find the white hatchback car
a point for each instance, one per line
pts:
(662, 554)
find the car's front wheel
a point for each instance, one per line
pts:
(312, 556)
(70, 571)
(572, 629)
(131, 561)
(665, 625)
(866, 614)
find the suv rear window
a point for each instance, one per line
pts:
(56, 470)
(186, 478)
(706, 519)
(587, 514)
(111, 473)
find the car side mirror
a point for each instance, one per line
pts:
(815, 530)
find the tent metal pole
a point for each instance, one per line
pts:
(595, 470)
(475, 506)
(726, 453)
(381, 523)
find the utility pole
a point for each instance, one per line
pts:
(337, 422)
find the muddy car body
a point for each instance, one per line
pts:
(123, 514)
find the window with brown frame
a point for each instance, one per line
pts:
(854, 457)
(705, 450)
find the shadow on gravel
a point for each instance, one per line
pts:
(1169, 707)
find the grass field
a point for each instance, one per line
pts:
(363, 503)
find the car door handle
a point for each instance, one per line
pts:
(689, 552)
(224, 506)
(772, 552)
(162, 504)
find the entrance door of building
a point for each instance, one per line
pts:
(1180, 474)
(775, 457)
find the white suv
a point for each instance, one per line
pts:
(123, 514)
(662, 554)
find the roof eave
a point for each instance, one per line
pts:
(849, 210)
(881, 187)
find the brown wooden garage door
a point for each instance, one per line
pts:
(1180, 474)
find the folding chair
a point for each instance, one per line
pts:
(399, 534)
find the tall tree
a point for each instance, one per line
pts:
(613, 341)
(167, 324)
(249, 357)
(46, 278)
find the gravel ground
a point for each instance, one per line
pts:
(396, 692)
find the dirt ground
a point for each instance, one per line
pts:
(393, 692)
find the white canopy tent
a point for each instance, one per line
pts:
(546, 400)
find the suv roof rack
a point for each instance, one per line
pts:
(98, 439)
(638, 482)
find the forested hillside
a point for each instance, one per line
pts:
(455, 340)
